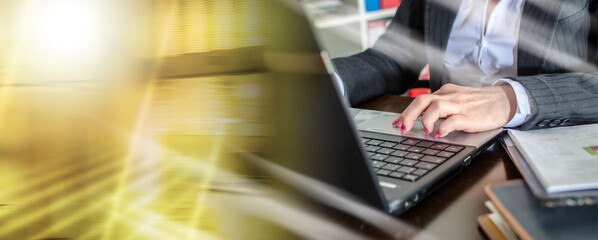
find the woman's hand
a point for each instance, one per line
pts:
(469, 109)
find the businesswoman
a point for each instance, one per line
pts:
(493, 63)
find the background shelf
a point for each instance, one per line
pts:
(344, 26)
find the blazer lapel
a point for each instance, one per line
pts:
(439, 16)
(536, 31)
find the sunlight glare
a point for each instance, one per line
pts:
(68, 28)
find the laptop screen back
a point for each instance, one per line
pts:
(313, 133)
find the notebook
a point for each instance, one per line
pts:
(355, 150)
(530, 219)
(573, 188)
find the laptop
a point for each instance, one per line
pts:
(354, 150)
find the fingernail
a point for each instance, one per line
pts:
(426, 131)
(395, 122)
(436, 134)
(402, 129)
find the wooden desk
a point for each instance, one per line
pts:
(451, 211)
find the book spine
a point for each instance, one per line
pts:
(372, 5)
(389, 3)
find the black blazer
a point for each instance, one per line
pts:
(556, 57)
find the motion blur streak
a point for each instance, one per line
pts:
(107, 107)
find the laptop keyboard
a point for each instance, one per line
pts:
(407, 159)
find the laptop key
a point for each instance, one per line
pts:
(430, 151)
(382, 172)
(425, 144)
(379, 157)
(410, 177)
(453, 148)
(372, 148)
(409, 162)
(439, 146)
(364, 140)
(432, 159)
(370, 154)
(406, 169)
(401, 147)
(445, 154)
(374, 142)
(378, 164)
(385, 151)
(388, 144)
(396, 175)
(415, 149)
(426, 165)
(391, 167)
(399, 153)
(394, 160)
(415, 156)
(420, 172)
(410, 142)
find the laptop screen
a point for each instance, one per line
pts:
(313, 133)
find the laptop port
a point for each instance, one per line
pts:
(407, 204)
(467, 160)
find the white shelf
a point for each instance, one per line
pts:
(322, 4)
(333, 15)
(380, 14)
(335, 20)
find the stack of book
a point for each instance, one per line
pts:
(559, 198)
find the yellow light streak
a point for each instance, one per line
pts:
(60, 172)
(135, 207)
(188, 229)
(14, 59)
(135, 145)
(24, 219)
(140, 123)
(56, 195)
(204, 185)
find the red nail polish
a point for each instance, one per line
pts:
(395, 122)
(426, 131)
(436, 135)
(402, 129)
